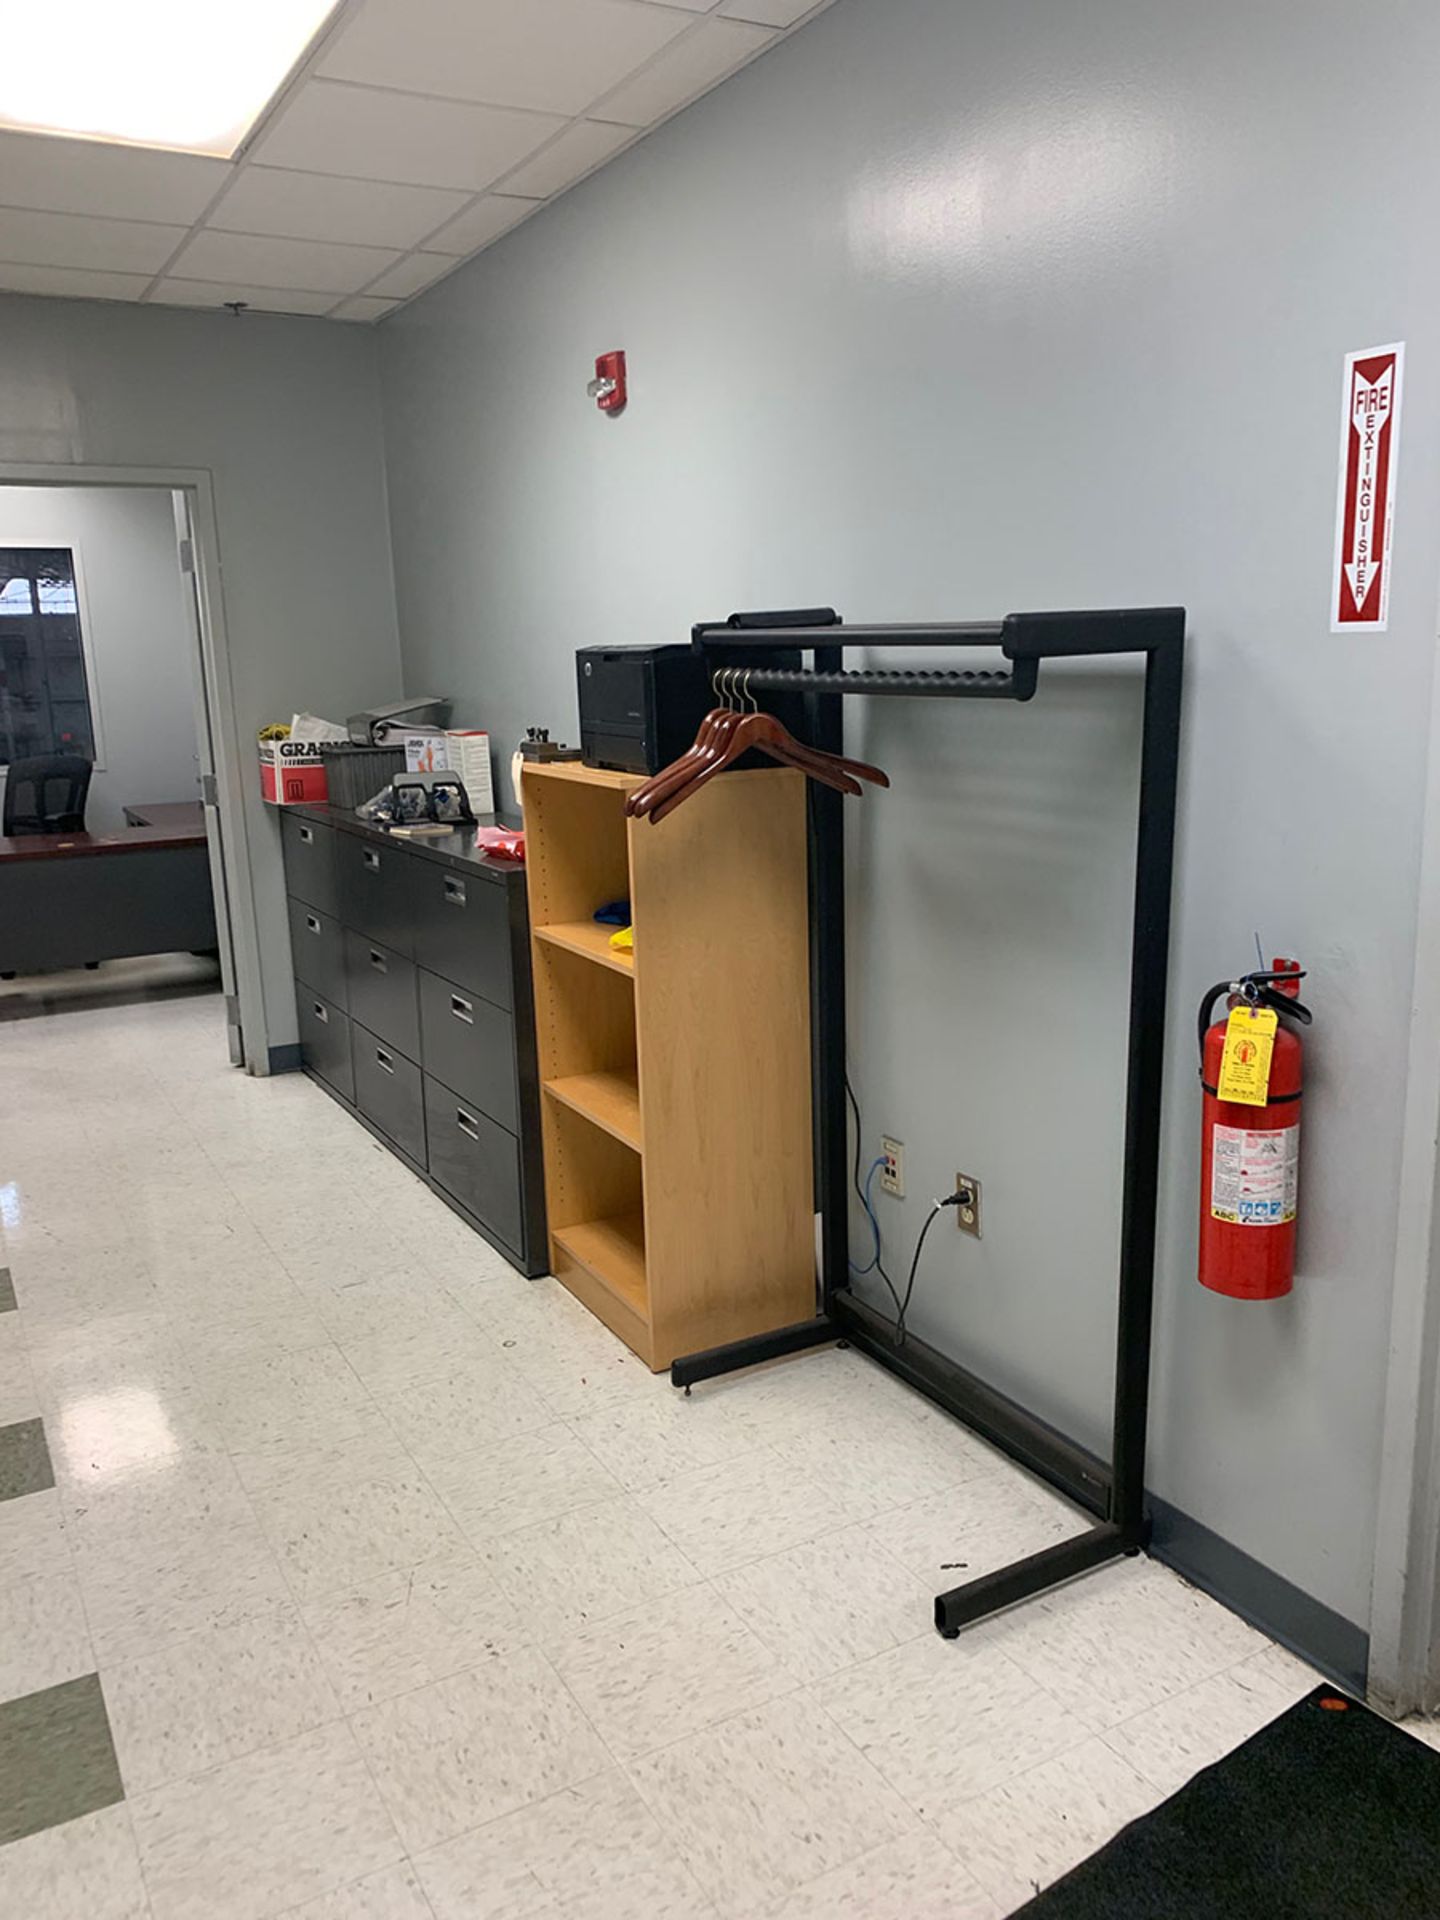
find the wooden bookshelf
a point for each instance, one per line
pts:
(676, 1115)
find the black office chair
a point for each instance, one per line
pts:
(47, 795)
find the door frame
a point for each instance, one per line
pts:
(233, 766)
(1404, 1672)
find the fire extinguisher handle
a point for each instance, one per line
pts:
(1282, 1003)
(1207, 1011)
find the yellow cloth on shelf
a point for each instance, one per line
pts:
(623, 941)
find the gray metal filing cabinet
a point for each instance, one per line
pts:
(412, 986)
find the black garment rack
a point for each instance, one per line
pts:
(1114, 1490)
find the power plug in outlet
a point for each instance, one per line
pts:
(892, 1170)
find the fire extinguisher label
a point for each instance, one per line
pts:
(1255, 1175)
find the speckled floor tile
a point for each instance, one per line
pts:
(1169, 1743)
(588, 1565)
(591, 1853)
(288, 1399)
(216, 1695)
(142, 1595)
(912, 1879)
(465, 1750)
(767, 1801)
(945, 1719)
(392, 1894)
(672, 1667)
(44, 1637)
(830, 1603)
(645, 1441)
(757, 1505)
(518, 1483)
(87, 1869)
(954, 1536)
(1018, 1838)
(470, 1406)
(407, 1629)
(252, 1839)
(57, 1760)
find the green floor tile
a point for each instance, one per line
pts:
(57, 1760)
(24, 1460)
(7, 1291)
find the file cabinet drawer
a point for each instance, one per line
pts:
(469, 1045)
(317, 951)
(325, 1040)
(382, 993)
(388, 1091)
(475, 1160)
(377, 891)
(462, 930)
(309, 851)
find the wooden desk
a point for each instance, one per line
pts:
(70, 898)
(177, 816)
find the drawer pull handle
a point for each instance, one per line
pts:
(379, 962)
(462, 1009)
(383, 1060)
(307, 836)
(321, 1015)
(455, 892)
(371, 859)
(312, 923)
(467, 1123)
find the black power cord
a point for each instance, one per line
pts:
(962, 1197)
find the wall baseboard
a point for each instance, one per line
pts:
(1337, 1646)
(285, 1059)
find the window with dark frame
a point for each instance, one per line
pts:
(44, 690)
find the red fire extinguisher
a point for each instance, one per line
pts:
(1250, 1154)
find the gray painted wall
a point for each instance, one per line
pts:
(945, 310)
(285, 415)
(140, 635)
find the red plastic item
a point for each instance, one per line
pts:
(609, 389)
(501, 843)
(1251, 1257)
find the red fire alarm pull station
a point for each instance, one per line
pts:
(608, 389)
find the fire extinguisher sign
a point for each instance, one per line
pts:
(1365, 509)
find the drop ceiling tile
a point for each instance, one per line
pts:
(212, 293)
(691, 67)
(78, 283)
(579, 150)
(557, 55)
(77, 240)
(363, 307)
(89, 176)
(316, 206)
(485, 221)
(321, 266)
(329, 128)
(770, 13)
(411, 275)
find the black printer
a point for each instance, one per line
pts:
(640, 707)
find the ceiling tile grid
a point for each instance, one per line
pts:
(415, 134)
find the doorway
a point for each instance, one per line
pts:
(112, 657)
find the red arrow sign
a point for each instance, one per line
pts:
(1369, 440)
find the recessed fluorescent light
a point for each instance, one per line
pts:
(188, 74)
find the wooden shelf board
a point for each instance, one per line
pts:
(591, 940)
(612, 1252)
(580, 775)
(608, 1100)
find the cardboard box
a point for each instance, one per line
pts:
(425, 753)
(469, 754)
(292, 774)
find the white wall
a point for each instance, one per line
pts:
(947, 311)
(285, 416)
(140, 637)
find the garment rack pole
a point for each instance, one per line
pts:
(1114, 1490)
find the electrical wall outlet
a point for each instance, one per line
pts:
(892, 1170)
(967, 1214)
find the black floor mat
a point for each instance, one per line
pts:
(1328, 1810)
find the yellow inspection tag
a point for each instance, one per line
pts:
(1245, 1063)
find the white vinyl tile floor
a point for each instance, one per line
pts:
(346, 1574)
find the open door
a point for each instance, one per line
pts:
(209, 790)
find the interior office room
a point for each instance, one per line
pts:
(653, 653)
